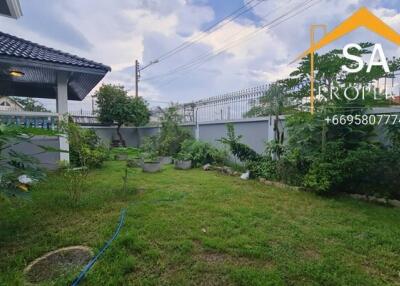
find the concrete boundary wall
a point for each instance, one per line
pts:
(255, 132)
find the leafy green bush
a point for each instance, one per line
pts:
(149, 149)
(171, 134)
(266, 168)
(85, 147)
(243, 152)
(202, 153)
(14, 164)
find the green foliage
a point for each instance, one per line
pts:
(172, 134)
(14, 164)
(116, 107)
(150, 149)
(202, 153)
(30, 104)
(130, 151)
(265, 168)
(85, 148)
(243, 152)
(75, 182)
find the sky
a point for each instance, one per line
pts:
(118, 32)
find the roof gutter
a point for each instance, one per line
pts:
(15, 8)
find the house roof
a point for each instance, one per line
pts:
(10, 8)
(12, 100)
(40, 67)
(12, 46)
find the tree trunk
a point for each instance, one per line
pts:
(277, 136)
(121, 139)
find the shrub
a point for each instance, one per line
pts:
(171, 134)
(14, 164)
(265, 168)
(150, 148)
(202, 153)
(85, 147)
(369, 169)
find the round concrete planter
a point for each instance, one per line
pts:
(134, 163)
(151, 167)
(165, 160)
(57, 263)
(121, 157)
(183, 164)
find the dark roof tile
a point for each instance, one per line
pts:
(16, 47)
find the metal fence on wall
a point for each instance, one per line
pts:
(230, 106)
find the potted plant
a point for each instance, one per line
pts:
(165, 160)
(151, 163)
(183, 161)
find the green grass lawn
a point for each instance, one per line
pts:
(203, 228)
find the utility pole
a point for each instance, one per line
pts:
(137, 73)
(312, 43)
(137, 76)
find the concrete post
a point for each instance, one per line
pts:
(62, 110)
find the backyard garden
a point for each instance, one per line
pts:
(179, 211)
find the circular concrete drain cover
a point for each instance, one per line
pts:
(57, 263)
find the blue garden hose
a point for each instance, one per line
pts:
(90, 264)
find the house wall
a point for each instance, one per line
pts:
(48, 160)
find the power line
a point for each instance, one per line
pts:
(207, 56)
(221, 50)
(235, 14)
(276, 24)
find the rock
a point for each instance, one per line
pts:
(262, 180)
(227, 170)
(204, 230)
(394, 203)
(237, 174)
(207, 167)
(381, 200)
(24, 179)
(358, 197)
(245, 176)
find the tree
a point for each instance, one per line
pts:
(31, 104)
(116, 107)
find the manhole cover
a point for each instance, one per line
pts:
(57, 263)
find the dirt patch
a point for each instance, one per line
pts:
(311, 254)
(217, 258)
(57, 263)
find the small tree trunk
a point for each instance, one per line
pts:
(277, 136)
(121, 139)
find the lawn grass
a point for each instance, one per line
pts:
(202, 228)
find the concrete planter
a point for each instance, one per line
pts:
(165, 160)
(121, 157)
(183, 165)
(151, 167)
(134, 163)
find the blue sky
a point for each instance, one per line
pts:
(118, 32)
